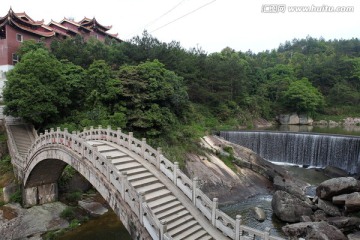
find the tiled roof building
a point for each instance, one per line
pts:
(18, 27)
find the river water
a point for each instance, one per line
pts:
(109, 227)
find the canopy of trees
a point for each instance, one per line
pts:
(152, 87)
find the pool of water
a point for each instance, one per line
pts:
(106, 227)
(245, 209)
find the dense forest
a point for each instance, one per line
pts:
(163, 91)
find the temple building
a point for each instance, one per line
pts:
(18, 27)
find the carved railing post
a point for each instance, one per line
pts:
(58, 130)
(91, 132)
(123, 177)
(176, 167)
(143, 147)
(141, 201)
(214, 207)
(108, 131)
(194, 189)
(130, 139)
(158, 157)
(267, 233)
(238, 233)
(163, 229)
(46, 136)
(118, 136)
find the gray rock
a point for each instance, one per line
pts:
(319, 215)
(305, 219)
(289, 208)
(26, 223)
(94, 208)
(345, 224)
(328, 208)
(340, 199)
(313, 230)
(354, 236)
(259, 214)
(9, 190)
(337, 186)
(352, 202)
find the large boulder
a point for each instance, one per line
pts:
(329, 208)
(289, 208)
(313, 230)
(352, 202)
(345, 224)
(337, 186)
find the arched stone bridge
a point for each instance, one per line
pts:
(151, 195)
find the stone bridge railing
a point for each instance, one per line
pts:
(157, 229)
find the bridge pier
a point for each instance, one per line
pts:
(40, 194)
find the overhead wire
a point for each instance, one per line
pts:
(163, 15)
(191, 12)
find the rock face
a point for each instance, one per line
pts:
(313, 230)
(289, 208)
(352, 202)
(19, 223)
(337, 186)
(295, 119)
(94, 208)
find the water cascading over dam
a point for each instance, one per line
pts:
(316, 150)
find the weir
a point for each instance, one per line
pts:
(315, 150)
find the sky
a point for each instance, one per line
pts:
(211, 25)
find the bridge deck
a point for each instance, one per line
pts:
(166, 202)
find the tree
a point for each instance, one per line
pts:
(35, 89)
(303, 97)
(153, 96)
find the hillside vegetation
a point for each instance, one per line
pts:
(172, 95)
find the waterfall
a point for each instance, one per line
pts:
(303, 149)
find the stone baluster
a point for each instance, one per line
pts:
(58, 130)
(141, 210)
(91, 132)
(267, 233)
(123, 178)
(214, 207)
(238, 232)
(46, 137)
(194, 189)
(158, 157)
(108, 131)
(163, 229)
(143, 147)
(176, 167)
(130, 139)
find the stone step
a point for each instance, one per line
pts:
(135, 171)
(181, 226)
(95, 143)
(144, 182)
(161, 202)
(128, 166)
(198, 235)
(106, 148)
(155, 187)
(178, 218)
(188, 232)
(121, 160)
(139, 176)
(170, 211)
(207, 237)
(157, 195)
(166, 206)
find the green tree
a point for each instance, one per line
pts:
(153, 96)
(303, 97)
(35, 89)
